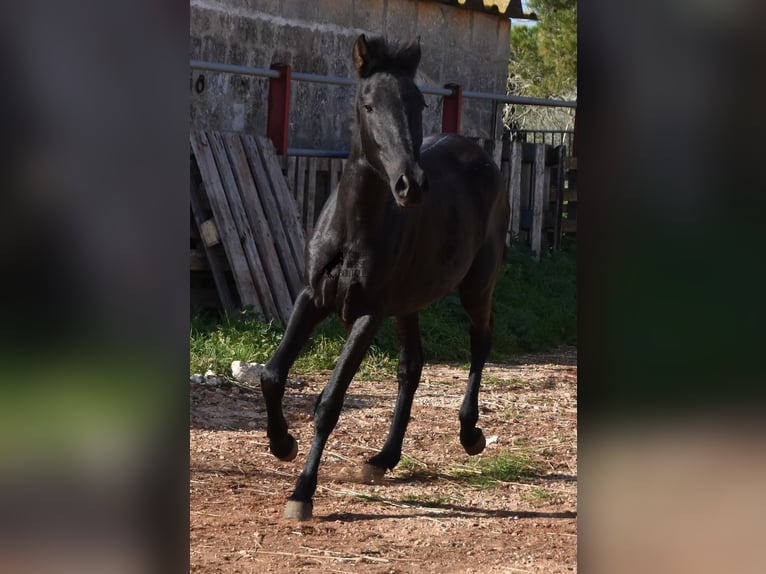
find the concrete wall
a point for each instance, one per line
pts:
(458, 45)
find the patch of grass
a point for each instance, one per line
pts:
(512, 383)
(369, 497)
(408, 463)
(535, 302)
(431, 500)
(534, 309)
(492, 471)
(537, 496)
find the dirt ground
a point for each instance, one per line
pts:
(427, 515)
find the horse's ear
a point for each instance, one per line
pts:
(361, 56)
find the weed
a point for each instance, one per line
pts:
(432, 500)
(537, 496)
(408, 463)
(491, 472)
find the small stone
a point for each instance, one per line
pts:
(197, 379)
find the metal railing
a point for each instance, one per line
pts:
(551, 137)
(274, 74)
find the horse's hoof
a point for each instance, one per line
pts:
(287, 450)
(372, 474)
(477, 446)
(297, 510)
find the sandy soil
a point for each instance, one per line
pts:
(428, 515)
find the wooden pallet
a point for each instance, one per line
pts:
(254, 218)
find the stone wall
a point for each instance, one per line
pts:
(458, 45)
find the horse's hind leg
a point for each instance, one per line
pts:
(476, 296)
(410, 367)
(303, 319)
(471, 436)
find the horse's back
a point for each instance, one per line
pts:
(453, 163)
(462, 174)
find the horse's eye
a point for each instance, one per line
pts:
(367, 108)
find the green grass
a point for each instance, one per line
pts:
(492, 471)
(534, 309)
(537, 496)
(430, 501)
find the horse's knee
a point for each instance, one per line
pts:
(326, 413)
(272, 382)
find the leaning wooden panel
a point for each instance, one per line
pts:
(292, 269)
(291, 164)
(286, 207)
(272, 268)
(311, 197)
(225, 221)
(231, 189)
(214, 258)
(300, 182)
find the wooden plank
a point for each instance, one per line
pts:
(253, 256)
(292, 269)
(225, 221)
(335, 168)
(559, 205)
(214, 258)
(311, 196)
(514, 188)
(291, 165)
(301, 182)
(538, 199)
(285, 204)
(497, 152)
(278, 282)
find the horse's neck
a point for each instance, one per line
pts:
(364, 199)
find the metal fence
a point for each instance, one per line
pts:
(551, 137)
(449, 91)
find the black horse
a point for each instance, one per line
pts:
(410, 220)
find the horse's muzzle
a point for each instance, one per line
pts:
(409, 187)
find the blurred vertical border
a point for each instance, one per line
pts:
(671, 286)
(94, 302)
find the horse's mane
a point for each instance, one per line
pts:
(390, 57)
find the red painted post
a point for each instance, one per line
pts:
(279, 108)
(452, 108)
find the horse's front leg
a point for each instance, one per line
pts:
(410, 367)
(305, 316)
(299, 505)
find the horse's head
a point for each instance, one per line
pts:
(389, 108)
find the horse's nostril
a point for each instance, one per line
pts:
(402, 185)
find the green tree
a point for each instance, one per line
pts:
(543, 64)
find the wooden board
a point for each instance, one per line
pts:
(214, 258)
(253, 256)
(278, 284)
(311, 197)
(282, 219)
(295, 235)
(225, 221)
(538, 199)
(514, 188)
(254, 212)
